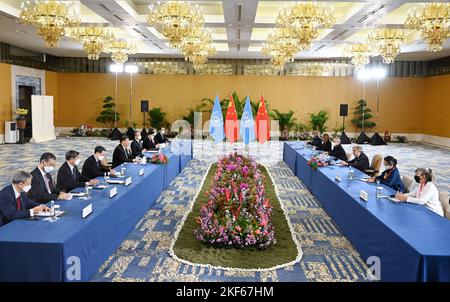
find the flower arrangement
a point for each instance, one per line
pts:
(317, 161)
(237, 213)
(159, 159)
(21, 113)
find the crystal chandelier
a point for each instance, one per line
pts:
(120, 50)
(359, 53)
(305, 19)
(198, 38)
(175, 20)
(50, 17)
(433, 23)
(281, 45)
(95, 39)
(200, 56)
(387, 42)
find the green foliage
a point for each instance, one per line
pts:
(337, 130)
(157, 118)
(401, 139)
(285, 119)
(107, 115)
(362, 112)
(319, 120)
(127, 124)
(300, 127)
(190, 116)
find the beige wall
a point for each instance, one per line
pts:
(436, 115)
(5, 95)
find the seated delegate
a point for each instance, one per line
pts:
(122, 153)
(316, 141)
(93, 166)
(360, 162)
(338, 151)
(425, 193)
(326, 146)
(69, 177)
(390, 176)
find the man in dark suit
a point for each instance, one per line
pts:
(42, 188)
(160, 136)
(69, 177)
(149, 142)
(93, 166)
(360, 162)
(316, 142)
(338, 151)
(14, 203)
(122, 153)
(136, 145)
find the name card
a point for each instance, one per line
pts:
(141, 172)
(128, 181)
(337, 178)
(363, 195)
(86, 211)
(113, 192)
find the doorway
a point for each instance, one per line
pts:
(25, 93)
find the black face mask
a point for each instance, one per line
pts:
(417, 179)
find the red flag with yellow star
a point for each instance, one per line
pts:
(231, 122)
(262, 122)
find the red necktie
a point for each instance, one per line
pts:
(19, 203)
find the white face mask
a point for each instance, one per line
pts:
(100, 157)
(77, 162)
(163, 131)
(48, 169)
(27, 188)
(139, 138)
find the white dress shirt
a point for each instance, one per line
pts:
(44, 175)
(17, 194)
(427, 195)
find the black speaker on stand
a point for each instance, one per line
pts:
(343, 111)
(144, 110)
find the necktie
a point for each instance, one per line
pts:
(47, 184)
(19, 203)
(74, 175)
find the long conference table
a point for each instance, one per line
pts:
(411, 242)
(72, 248)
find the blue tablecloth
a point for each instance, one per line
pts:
(42, 251)
(412, 242)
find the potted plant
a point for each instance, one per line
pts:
(21, 117)
(318, 121)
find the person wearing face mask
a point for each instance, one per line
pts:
(42, 188)
(136, 145)
(93, 166)
(425, 193)
(14, 202)
(360, 162)
(160, 136)
(390, 176)
(122, 153)
(149, 142)
(69, 177)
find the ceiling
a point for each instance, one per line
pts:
(239, 27)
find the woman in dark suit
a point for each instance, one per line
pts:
(391, 176)
(326, 146)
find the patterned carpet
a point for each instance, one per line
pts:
(327, 255)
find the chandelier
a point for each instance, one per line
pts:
(94, 39)
(281, 45)
(359, 54)
(50, 17)
(433, 23)
(198, 38)
(120, 50)
(387, 42)
(175, 20)
(305, 19)
(200, 56)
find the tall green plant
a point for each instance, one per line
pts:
(319, 120)
(363, 115)
(284, 118)
(157, 118)
(190, 118)
(107, 115)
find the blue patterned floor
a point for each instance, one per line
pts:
(143, 255)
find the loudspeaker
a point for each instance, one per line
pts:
(343, 110)
(144, 106)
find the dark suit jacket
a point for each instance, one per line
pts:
(338, 152)
(136, 148)
(316, 142)
(66, 181)
(148, 143)
(121, 156)
(393, 180)
(39, 191)
(325, 147)
(8, 205)
(93, 168)
(160, 139)
(361, 163)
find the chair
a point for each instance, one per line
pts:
(407, 182)
(443, 198)
(375, 166)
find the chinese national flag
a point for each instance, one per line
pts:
(262, 122)
(231, 122)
